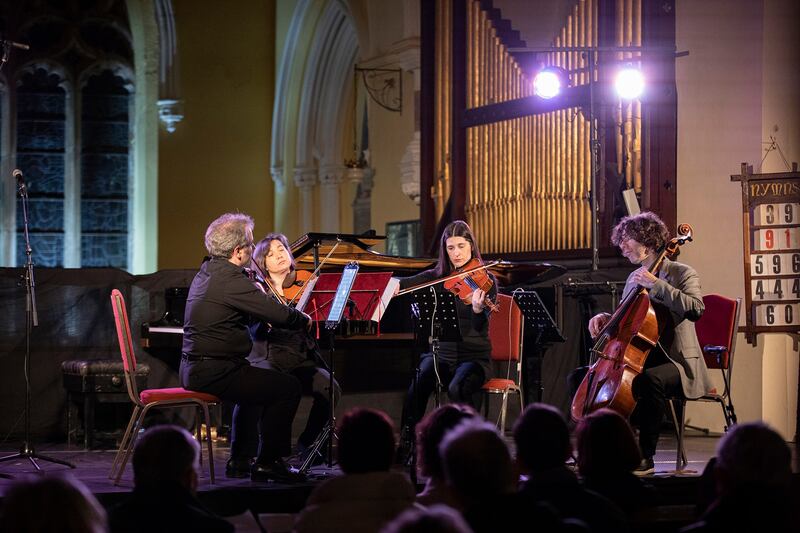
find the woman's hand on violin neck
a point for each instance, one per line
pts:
(597, 323)
(478, 297)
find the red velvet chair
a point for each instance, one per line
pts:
(505, 333)
(147, 399)
(716, 332)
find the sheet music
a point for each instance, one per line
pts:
(307, 290)
(387, 295)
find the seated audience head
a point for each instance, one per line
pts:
(606, 444)
(752, 455)
(434, 519)
(44, 504)
(366, 441)
(542, 438)
(477, 463)
(430, 432)
(166, 454)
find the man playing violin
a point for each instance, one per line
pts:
(462, 366)
(222, 302)
(675, 367)
(291, 351)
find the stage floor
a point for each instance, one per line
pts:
(92, 466)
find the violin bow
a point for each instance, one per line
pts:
(316, 271)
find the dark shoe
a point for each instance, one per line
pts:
(238, 467)
(646, 467)
(277, 470)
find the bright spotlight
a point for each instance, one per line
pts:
(629, 83)
(548, 82)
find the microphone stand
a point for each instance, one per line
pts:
(31, 320)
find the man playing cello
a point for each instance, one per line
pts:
(675, 366)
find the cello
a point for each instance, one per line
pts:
(622, 346)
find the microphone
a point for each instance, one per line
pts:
(17, 173)
(13, 44)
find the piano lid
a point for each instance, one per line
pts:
(351, 248)
(510, 273)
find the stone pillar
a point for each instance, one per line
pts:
(305, 179)
(361, 178)
(409, 169)
(330, 179)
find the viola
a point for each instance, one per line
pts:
(294, 283)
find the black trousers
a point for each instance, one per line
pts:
(266, 402)
(314, 382)
(651, 389)
(463, 382)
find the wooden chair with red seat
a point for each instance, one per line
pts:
(505, 333)
(147, 399)
(716, 333)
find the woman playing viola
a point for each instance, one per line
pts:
(291, 351)
(462, 366)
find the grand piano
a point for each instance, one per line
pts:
(367, 357)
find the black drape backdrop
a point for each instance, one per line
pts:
(75, 322)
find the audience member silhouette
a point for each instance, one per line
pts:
(50, 504)
(165, 472)
(753, 477)
(437, 518)
(368, 495)
(543, 447)
(479, 469)
(607, 455)
(430, 432)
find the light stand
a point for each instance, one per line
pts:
(31, 320)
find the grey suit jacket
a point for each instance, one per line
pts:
(678, 290)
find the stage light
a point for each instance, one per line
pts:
(629, 83)
(549, 81)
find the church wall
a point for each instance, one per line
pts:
(738, 81)
(218, 158)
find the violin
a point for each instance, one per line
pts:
(464, 281)
(464, 286)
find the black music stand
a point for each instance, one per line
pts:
(335, 316)
(539, 330)
(435, 319)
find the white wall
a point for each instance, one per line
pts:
(738, 82)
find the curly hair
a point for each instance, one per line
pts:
(646, 228)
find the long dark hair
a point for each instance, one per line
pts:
(457, 228)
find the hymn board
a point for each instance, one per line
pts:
(771, 217)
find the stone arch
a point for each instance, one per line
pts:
(313, 91)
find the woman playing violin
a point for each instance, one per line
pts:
(292, 351)
(675, 367)
(466, 365)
